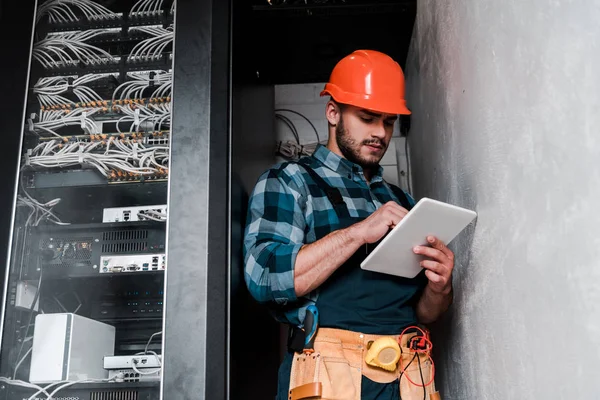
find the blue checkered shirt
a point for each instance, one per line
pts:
(284, 214)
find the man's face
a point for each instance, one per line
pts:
(363, 136)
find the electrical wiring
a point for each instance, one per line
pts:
(145, 352)
(290, 125)
(51, 120)
(69, 49)
(57, 111)
(152, 372)
(422, 380)
(63, 385)
(139, 82)
(293, 151)
(150, 341)
(303, 116)
(426, 349)
(49, 90)
(403, 371)
(21, 361)
(152, 48)
(153, 215)
(59, 11)
(39, 211)
(18, 382)
(146, 8)
(150, 217)
(31, 312)
(126, 158)
(67, 384)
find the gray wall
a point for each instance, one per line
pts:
(506, 101)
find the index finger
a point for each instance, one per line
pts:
(396, 206)
(441, 246)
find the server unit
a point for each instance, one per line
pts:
(68, 347)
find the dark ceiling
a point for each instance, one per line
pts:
(299, 43)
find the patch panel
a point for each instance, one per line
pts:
(136, 213)
(132, 263)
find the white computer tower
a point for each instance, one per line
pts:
(68, 347)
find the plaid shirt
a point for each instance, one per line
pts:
(284, 214)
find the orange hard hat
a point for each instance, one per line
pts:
(368, 79)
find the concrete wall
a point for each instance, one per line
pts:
(304, 98)
(506, 101)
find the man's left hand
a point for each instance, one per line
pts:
(439, 267)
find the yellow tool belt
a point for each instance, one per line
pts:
(334, 370)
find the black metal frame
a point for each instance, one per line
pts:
(16, 22)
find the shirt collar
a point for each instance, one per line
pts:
(342, 166)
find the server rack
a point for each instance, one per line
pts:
(112, 267)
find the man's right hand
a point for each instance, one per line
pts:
(316, 261)
(378, 224)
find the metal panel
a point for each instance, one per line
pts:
(16, 31)
(196, 290)
(218, 239)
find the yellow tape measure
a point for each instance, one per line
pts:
(383, 353)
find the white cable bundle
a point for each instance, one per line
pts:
(51, 120)
(158, 115)
(152, 215)
(151, 49)
(69, 49)
(59, 11)
(146, 8)
(39, 211)
(293, 151)
(134, 88)
(49, 89)
(123, 156)
(158, 109)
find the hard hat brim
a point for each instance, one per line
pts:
(367, 102)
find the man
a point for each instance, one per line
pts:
(310, 225)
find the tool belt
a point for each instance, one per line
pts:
(334, 370)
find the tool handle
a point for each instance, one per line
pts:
(311, 324)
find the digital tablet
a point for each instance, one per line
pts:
(395, 256)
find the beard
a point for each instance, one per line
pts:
(351, 150)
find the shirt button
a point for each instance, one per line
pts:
(361, 336)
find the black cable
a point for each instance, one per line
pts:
(307, 120)
(422, 380)
(407, 165)
(290, 125)
(401, 373)
(35, 299)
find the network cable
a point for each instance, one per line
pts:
(59, 11)
(146, 8)
(151, 49)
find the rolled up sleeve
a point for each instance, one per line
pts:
(274, 235)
